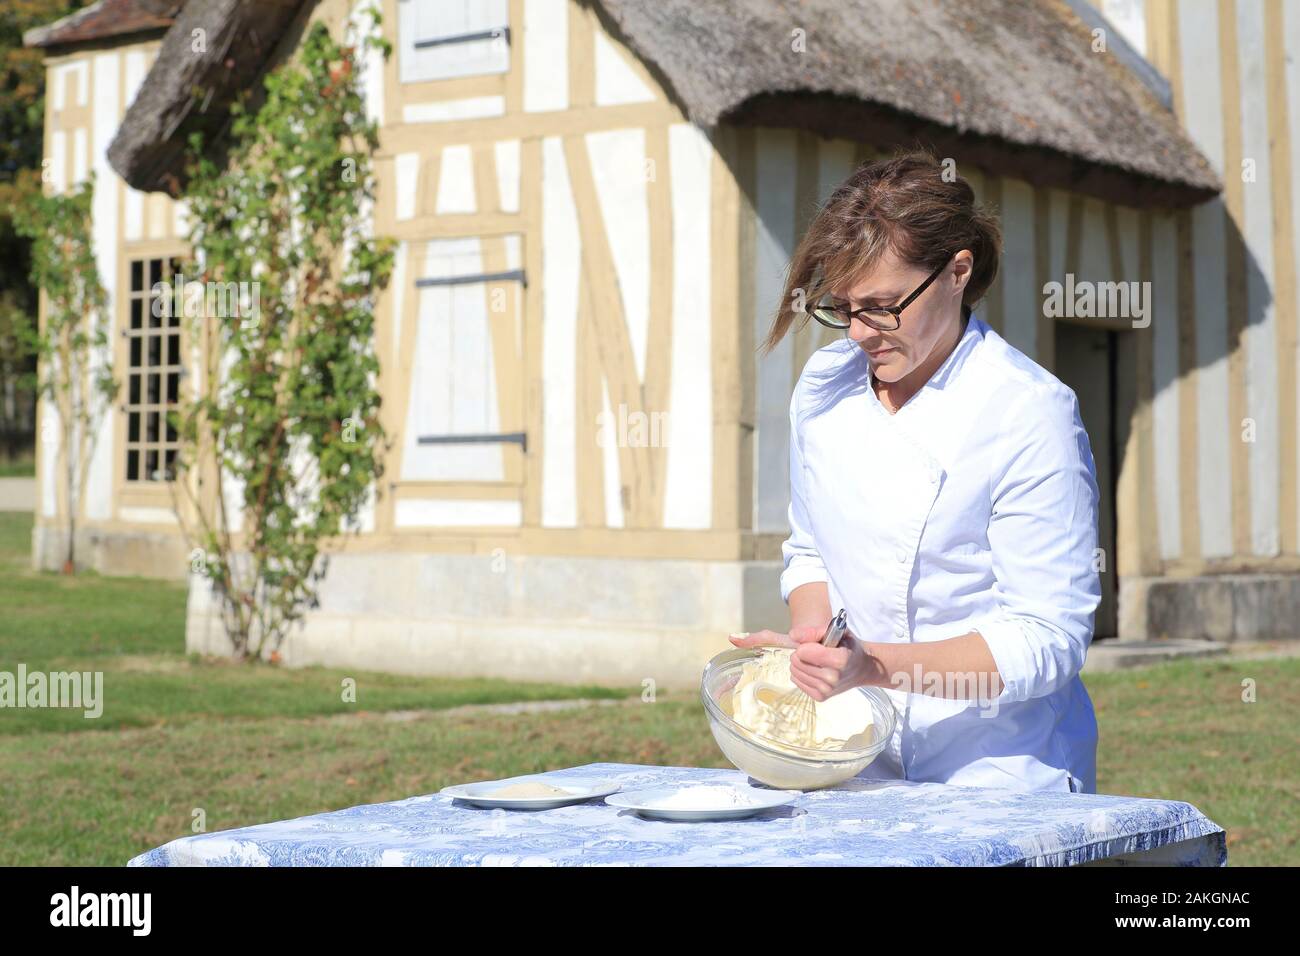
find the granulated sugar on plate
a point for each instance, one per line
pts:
(704, 798)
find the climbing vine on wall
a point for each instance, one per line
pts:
(75, 370)
(281, 437)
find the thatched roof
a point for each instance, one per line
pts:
(1013, 87)
(189, 91)
(107, 19)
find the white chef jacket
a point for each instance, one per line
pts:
(973, 508)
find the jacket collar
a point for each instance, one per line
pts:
(957, 358)
(966, 346)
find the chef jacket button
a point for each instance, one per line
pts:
(901, 634)
(902, 555)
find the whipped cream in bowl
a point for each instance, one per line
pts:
(740, 690)
(760, 703)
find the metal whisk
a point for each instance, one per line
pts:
(795, 709)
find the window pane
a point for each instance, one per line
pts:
(137, 312)
(173, 387)
(155, 350)
(171, 429)
(151, 464)
(151, 429)
(137, 275)
(453, 378)
(133, 465)
(155, 272)
(155, 311)
(133, 426)
(173, 350)
(441, 21)
(133, 390)
(155, 384)
(170, 463)
(135, 351)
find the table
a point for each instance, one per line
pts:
(861, 822)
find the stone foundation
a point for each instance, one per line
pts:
(609, 621)
(614, 621)
(150, 554)
(1224, 608)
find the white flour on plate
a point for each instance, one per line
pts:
(522, 791)
(704, 798)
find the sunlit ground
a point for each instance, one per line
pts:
(248, 744)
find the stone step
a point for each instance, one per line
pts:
(17, 494)
(1113, 655)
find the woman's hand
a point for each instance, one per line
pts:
(819, 671)
(777, 638)
(822, 672)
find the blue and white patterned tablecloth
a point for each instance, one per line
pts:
(860, 823)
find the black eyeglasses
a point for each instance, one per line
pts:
(884, 318)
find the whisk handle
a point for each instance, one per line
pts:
(835, 630)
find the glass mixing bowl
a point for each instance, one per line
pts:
(785, 767)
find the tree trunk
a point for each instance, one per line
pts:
(70, 557)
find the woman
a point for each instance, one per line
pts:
(942, 491)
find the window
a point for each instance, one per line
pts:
(153, 368)
(440, 39)
(465, 415)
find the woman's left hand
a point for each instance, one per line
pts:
(822, 672)
(767, 638)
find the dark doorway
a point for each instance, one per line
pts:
(1090, 361)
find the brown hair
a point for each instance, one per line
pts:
(903, 203)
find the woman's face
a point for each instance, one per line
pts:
(929, 321)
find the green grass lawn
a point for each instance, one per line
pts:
(247, 744)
